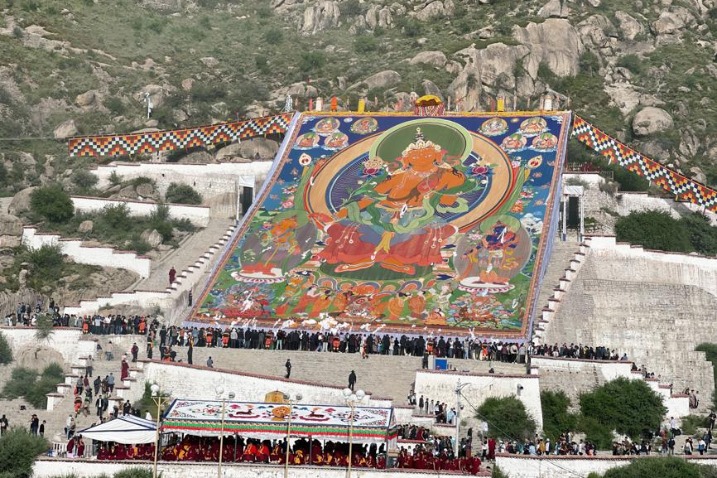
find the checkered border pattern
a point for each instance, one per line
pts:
(171, 140)
(683, 188)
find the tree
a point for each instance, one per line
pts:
(18, 451)
(667, 467)
(629, 407)
(506, 418)
(52, 203)
(556, 418)
(135, 472)
(654, 230)
(702, 235)
(180, 193)
(5, 350)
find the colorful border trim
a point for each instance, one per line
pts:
(172, 140)
(683, 188)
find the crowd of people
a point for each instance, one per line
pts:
(431, 455)
(578, 351)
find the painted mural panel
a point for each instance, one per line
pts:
(399, 223)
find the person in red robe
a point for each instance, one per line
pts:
(262, 453)
(491, 448)
(250, 452)
(71, 447)
(124, 374)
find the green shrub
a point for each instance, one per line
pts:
(116, 216)
(179, 193)
(20, 383)
(44, 327)
(556, 418)
(653, 230)
(702, 235)
(52, 203)
(312, 61)
(365, 44)
(595, 432)
(691, 423)
(84, 180)
(351, 8)
(33, 387)
(135, 472)
(710, 351)
(632, 62)
(506, 418)
(18, 451)
(629, 407)
(662, 467)
(274, 36)
(5, 350)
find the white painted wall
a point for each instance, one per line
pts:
(46, 468)
(670, 268)
(186, 381)
(96, 256)
(66, 341)
(441, 386)
(522, 466)
(198, 215)
(607, 369)
(207, 179)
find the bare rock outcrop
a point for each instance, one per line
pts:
(651, 120)
(555, 42)
(320, 16)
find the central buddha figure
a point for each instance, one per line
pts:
(392, 219)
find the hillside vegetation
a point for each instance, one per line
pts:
(643, 71)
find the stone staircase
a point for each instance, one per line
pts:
(615, 303)
(60, 404)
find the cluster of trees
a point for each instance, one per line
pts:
(33, 386)
(658, 230)
(628, 407)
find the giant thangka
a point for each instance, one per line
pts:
(399, 223)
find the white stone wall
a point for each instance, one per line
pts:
(46, 468)
(186, 381)
(652, 266)
(145, 299)
(441, 386)
(208, 179)
(198, 215)
(96, 256)
(66, 341)
(521, 466)
(607, 370)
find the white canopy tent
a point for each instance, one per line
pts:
(127, 429)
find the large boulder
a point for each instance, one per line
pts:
(257, 148)
(382, 79)
(85, 227)
(436, 9)
(151, 237)
(651, 120)
(378, 17)
(554, 9)
(21, 201)
(65, 129)
(163, 5)
(432, 58)
(555, 43)
(320, 16)
(629, 26)
(10, 225)
(673, 21)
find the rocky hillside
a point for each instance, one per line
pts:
(640, 69)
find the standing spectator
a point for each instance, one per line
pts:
(172, 275)
(42, 428)
(111, 382)
(352, 379)
(3, 425)
(288, 368)
(96, 383)
(135, 351)
(88, 367)
(34, 424)
(80, 386)
(712, 418)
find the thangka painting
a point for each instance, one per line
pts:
(397, 223)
